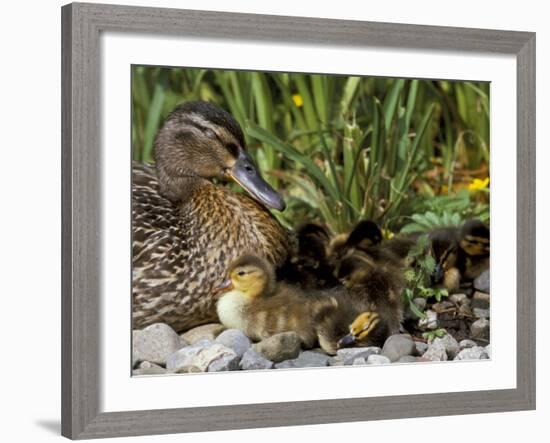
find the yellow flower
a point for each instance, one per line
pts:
(298, 100)
(477, 184)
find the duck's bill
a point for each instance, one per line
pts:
(225, 286)
(245, 173)
(346, 341)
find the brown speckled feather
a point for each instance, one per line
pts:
(181, 251)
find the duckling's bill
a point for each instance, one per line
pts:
(245, 173)
(225, 286)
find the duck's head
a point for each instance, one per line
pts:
(360, 330)
(444, 250)
(250, 275)
(354, 269)
(200, 140)
(475, 238)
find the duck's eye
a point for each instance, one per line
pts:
(241, 273)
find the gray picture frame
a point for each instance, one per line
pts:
(81, 205)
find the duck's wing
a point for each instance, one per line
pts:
(154, 218)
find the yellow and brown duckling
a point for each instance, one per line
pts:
(186, 228)
(254, 302)
(475, 241)
(461, 254)
(375, 292)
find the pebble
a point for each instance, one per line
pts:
(398, 345)
(279, 347)
(307, 359)
(436, 352)
(488, 350)
(421, 347)
(155, 343)
(253, 360)
(209, 331)
(348, 355)
(148, 368)
(481, 313)
(442, 306)
(203, 356)
(359, 361)
(465, 344)
(475, 353)
(459, 299)
(482, 282)
(376, 359)
(335, 361)
(481, 300)
(429, 322)
(450, 344)
(480, 329)
(407, 359)
(234, 339)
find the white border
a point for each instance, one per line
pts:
(121, 392)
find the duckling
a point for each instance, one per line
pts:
(186, 228)
(475, 242)
(445, 249)
(375, 292)
(309, 267)
(254, 302)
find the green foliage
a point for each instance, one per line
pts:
(436, 333)
(339, 148)
(417, 276)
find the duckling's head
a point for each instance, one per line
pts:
(249, 275)
(200, 140)
(354, 269)
(444, 250)
(365, 234)
(360, 330)
(475, 238)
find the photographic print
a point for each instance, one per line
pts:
(291, 220)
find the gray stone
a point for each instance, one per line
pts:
(488, 350)
(209, 331)
(436, 352)
(253, 360)
(348, 355)
(465, 344)
(450, 344)
(307, 359)
(148, 368)
(407, 359)
(459, 299)
(335, 361)
(279, 347)
(359, 361)
(155, 343)
(465, 310)
(480, 329)
(234, 339)
(376, 359)
(475, 353)
(398, 345)
(429, 322)
(482, 282)
(202, 357)
(481, 300)
(421, 347)
(420, 303)
(481, 313)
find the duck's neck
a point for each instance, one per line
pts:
(180, 189)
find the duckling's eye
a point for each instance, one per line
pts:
(241, 273)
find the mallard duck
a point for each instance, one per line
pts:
(254, 302)
(309, 267)
(187, 228)
(475, 241)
